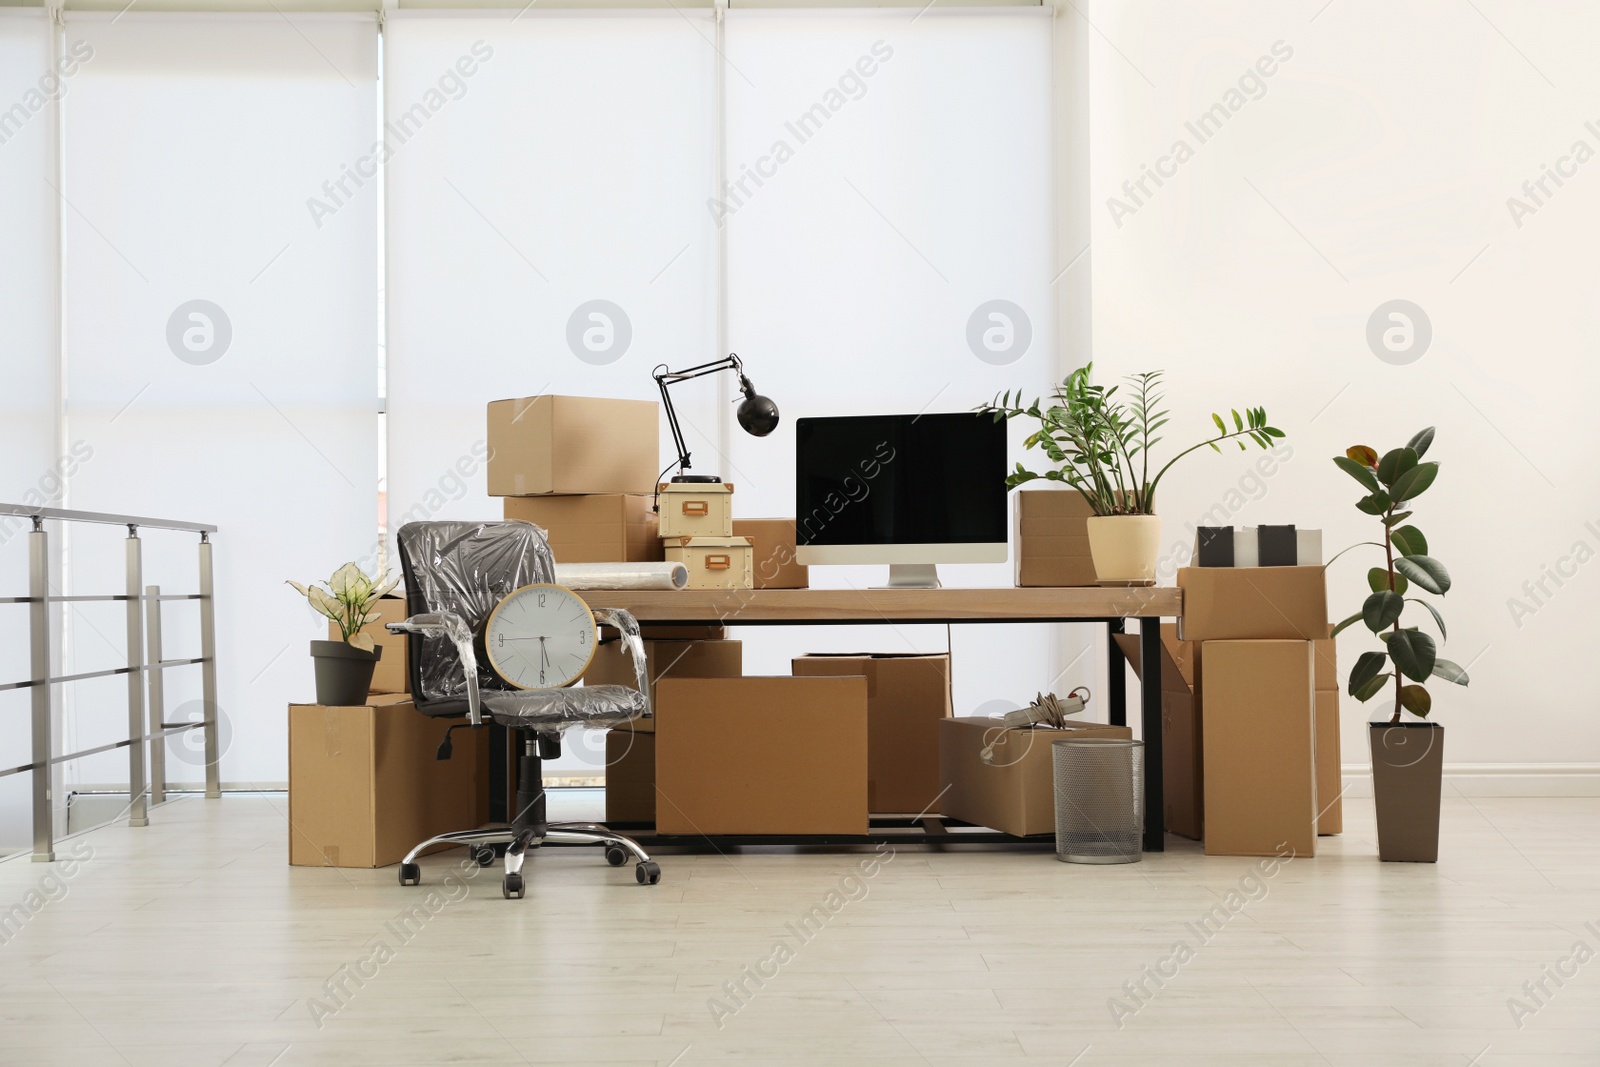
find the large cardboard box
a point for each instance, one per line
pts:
(630, 775)
(1330, 760)
(1014, 792)
(391, 674)
(1051, 538)
(573, 444)
(612, 665)
(761, 756)
(1182, 732)
(907, 696)
(365, 785)
(1260, 748)
(602, 528)
(1253, 603)
(775, 563)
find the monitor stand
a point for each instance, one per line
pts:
(912, 576)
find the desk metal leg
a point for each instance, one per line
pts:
(1116, 675)
(1155, 805)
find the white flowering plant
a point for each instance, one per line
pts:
(348, 600)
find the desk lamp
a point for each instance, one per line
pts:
(757, 414)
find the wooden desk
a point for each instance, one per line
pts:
(834, 607)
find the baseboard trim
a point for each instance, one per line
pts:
(1498, 779)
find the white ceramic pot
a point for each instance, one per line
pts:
(1124, 547)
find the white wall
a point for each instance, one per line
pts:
(1376, 164)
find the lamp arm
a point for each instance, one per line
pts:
(665, 377)
(672, 423)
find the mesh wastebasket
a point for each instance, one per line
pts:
(1099, 800)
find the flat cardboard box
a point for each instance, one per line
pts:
(1182, 737)
(774, 561)
(1260, 748)
(1014, 794)
(365, 786)
(656, 631)
(1253, 603)
(630, 775)
(573, 444)
(761, 756)
(598, 528)
(391, 674)
(1050, 536)
(907, 696)
(1330, 773)
(612, 665)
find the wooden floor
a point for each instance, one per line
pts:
(191, 943)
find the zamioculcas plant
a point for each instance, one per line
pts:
(1392, 483)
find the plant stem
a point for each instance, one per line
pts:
(1388, 553)
(1192, 448)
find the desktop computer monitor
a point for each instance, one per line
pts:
(911, 491)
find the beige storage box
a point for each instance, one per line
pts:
(713, 562)
(696, 509)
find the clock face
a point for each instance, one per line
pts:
(540, 637)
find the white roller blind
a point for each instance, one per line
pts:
(888, 221)
(221, 341)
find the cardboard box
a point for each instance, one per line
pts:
(907, 696)
(630, 775)
(392, 673)
(1260, 748)
(1182, 736)
(1253, 603)
(656, 631)
(573, 444)
(761, 756)
(612, 665)
(1050, 536)
(714, 562)
(365, 786)
(696, 509)
(775, 563)
(1015, 793)
(1330, 773)
(602, 528)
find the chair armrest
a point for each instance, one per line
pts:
(628, 626)
(449, 624)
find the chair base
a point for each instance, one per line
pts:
(517, 842)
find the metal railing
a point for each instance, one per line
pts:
(144, 668)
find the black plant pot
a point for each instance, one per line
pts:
(344, 674)
(1407, 777)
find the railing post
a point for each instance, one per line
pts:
(137, 812)
(43, 691)
(157, 694)
(208, 667)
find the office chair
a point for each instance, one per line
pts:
(455, 574)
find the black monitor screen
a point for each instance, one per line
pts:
(900, 480)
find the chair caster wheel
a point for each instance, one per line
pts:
(483, 855)
(410, 874)
(513, 887)
(616, 855)
(648, 872)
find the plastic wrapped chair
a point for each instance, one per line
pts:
(455, 574)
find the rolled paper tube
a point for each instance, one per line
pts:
(622, 575)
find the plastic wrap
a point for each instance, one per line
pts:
(622, 575)
(456, 574)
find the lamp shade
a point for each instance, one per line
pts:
(758, 414)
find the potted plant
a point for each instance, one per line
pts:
(344, 668)
(1407, 753)
(1101, 444)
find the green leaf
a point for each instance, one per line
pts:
(1238, 423)
(1409, 540)
(1366, 668)
(1435, 613)
(1372, 688)
(1361, 474)
(1378, 580)
(1426, 572)
(1416, 700)
(1413, 653)
(1410, 485)
(1218, 420)
(1382, 609)
(1419, 444)
(1374, 504)
(1348, 622)
(1395, 463)
(1450, 672)
(1399, 516)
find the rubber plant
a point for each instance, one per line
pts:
(1409, 657)
(348, 601)
(1100, 442)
